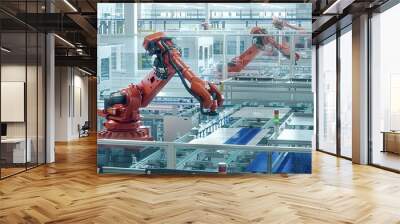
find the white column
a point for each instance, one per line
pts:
(360, 90)
(225, 61)
(135, 37)
(50, 98)
(314, 90)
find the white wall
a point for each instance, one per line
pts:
(16, 73)
(71, 102)
(33, 126)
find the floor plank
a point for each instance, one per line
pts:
(70, 191)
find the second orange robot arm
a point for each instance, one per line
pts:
(239, 63)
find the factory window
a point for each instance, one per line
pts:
(241, 46)
(201, 53)
(140, 25)
(145, 61)
(186, 52)
(231, 47)
(119, 11)
(120, 27)
(109, 27)
(113, 58)
(218, 48)
(102, 27)
(327, 96)
(206, 53)
(105, 69)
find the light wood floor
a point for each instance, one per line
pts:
(70, 191)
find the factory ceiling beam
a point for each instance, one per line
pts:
(49, 22)
(337, 7)
(86, 27)
(72, 10)
(78, 61)
(338, 15)
(322, 22)
(206, 1)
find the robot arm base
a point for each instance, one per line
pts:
(142, 134)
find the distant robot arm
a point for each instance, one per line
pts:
(260, 42)
(121, 109)
(280, 24)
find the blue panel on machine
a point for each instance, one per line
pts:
(295, 163)
(243, 136)
(292, 162)
(260, 163)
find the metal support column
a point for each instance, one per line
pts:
(360, 90)
(171, 157)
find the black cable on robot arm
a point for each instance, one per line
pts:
(183, 79)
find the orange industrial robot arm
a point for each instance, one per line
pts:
(280, 24)
(121, 109)
(240, 62)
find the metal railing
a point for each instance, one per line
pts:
(172, 147)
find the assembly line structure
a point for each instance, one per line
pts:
(230, 139)
(168, 152)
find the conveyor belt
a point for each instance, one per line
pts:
(260, 163)
(291, 163)
(243, 136)
(295, 163)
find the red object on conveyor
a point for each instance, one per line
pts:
(121, 109)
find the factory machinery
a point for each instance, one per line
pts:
(121, 108)
(285, 81)
(264, 126)
(238, 123)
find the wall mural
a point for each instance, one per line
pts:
(204, 88)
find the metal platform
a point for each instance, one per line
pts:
(301, 121)
(260, 112)
(295, 135)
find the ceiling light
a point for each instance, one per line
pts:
(5, 50)
(65, 41)
(338, 6)
(84, 71)
(70, 5)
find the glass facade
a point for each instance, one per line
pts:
(335, 94)
(346, 93)
(22, 79)
(266, 123)
(385, 88)
(327, 96)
